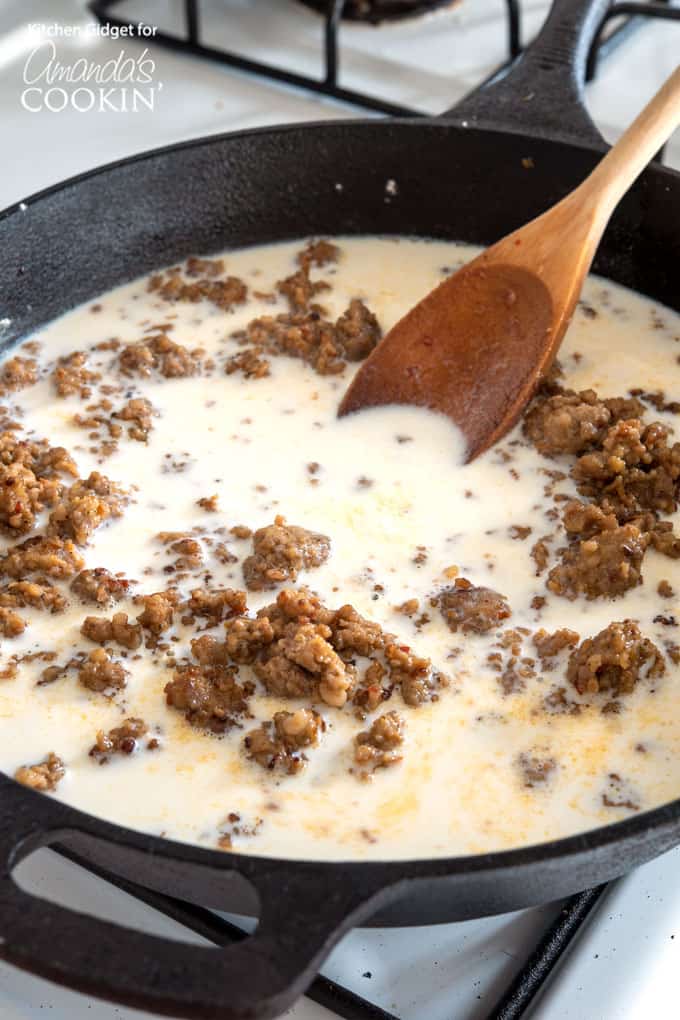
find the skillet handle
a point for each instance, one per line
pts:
(542, 94)
(302, 916)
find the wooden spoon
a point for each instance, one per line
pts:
(478, 345)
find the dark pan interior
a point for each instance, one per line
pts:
(78, 240)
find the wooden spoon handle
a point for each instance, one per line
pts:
(653, 126)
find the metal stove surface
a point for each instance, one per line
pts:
(624, 964)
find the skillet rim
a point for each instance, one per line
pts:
(589, 840)
(442, 121)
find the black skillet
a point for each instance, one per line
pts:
(474, 174)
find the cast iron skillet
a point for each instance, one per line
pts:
(464, 176)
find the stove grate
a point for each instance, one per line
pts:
(621, 20)
(514, 1003)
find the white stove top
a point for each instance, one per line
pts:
(624, 964)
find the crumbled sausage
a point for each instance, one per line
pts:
(11, 624)
(159, 611)
(209, 503)
(549, 646)
(305, 334)
(280, 551)
(208, 651)
(160, 354)
(55, 557)
(121, 739)
(608, 563)
(140, 413)
(118, 629)
(376, 748)
(246, 638)
(210, 697)
(408, 608)
(278, 745)
(188, 551)
(473, 609)
(586, 519)
(241, 531)
(17, 373)
(85, 506)
(566, 422)
(636, 469)
(249, 363)
(614, 660)
(36, 594)
(353, 634)
(225, 293)
(44, 776)
(214, 605)
(318, 253)
(412, 673)
(299, 289)
(204, 267)
(374, 688)
(357, 331)
(29, 480)
(302, 662)
(99, 586)
(540, 554)
(72, 376)
(663, 538)
(99, 672)
(22, 495)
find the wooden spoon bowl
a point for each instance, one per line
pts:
(477, 346)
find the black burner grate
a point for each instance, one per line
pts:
(548, 952)
(622, 19)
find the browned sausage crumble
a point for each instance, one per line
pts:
(303, 332)
(205, 284)
(376, 748)
(159, 611)
(72, 376)
(279, 745)
(213, 605)
(11, 624)
(549, 646)
(30, 480)
(102, 630)
(123, 739)
(100, 587)
(609, 563)
(38, 594)
(471, 609)
(630, 471)
(53, 557)
(159, 354)
(99, 672)
(44, 776)
(85, 506)
(209, 696)
(280, 552)
(614, 661)
(17, 373)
